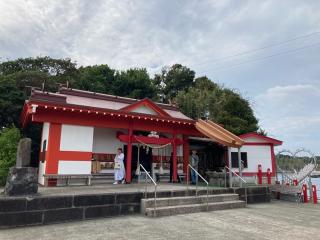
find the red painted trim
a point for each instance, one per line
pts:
(116, 114)
(174, 156)
(256, 144)
(273, 160)
(100, 120)
(256, 135)
(145, 102)
(186, 150)
(74, 156)
(53, 148)
(129, 156)
(148, 140)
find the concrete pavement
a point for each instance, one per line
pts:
(276, 220)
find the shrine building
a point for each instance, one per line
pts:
(81, 127)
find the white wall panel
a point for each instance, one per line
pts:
(256, 155)
(74, 167)
(76, 138)
(105, 140)
(42, 167)
(144, 109)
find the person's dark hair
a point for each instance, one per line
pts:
(120, 149)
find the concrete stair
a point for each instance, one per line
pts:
(189, 204)
(102, 178)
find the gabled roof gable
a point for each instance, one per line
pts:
(261, 138)
(147, 103)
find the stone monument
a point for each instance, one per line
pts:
(22, 179)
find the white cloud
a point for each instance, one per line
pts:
(292, 114)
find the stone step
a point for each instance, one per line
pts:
(193, 208)
(173, 201)
(190, 192)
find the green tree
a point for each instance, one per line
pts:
(134, 83)
(9, 138)
(16, 75)
(207, 100)
(97, 78)
(235, 113)
(173, 79)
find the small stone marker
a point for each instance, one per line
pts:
(22, 179)
(24, 153)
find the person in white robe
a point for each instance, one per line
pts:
(119, 170)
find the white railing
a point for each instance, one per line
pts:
(241, 179)
(189, 166)
(146, 188)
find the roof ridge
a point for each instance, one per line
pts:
(77, 92)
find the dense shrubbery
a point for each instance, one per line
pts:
(9, 138)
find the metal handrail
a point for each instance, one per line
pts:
(284, 176)
(189, 166)
(244, 181)
(155, 189)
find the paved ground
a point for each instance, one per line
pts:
(277, 220)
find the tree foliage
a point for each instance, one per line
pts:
(207, 100)
(134, 83)
(173, 79)
(9, 138)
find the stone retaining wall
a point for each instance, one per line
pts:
(23, 211)
(38, 210)
(256, 194)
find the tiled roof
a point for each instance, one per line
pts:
(98, 100)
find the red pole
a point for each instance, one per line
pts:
(305, 194)
(129, 156)
(174, 156)
(314, 194)
(269, 176)
(259, 174)
(185, 155)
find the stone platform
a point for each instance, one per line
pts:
(74, 203)
(275, 220)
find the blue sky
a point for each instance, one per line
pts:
(282, 82)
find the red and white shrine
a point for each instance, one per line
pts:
(79, 126)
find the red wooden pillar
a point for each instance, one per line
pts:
(185, 154)
(52, 153)
(174, 156)
(129, 156)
